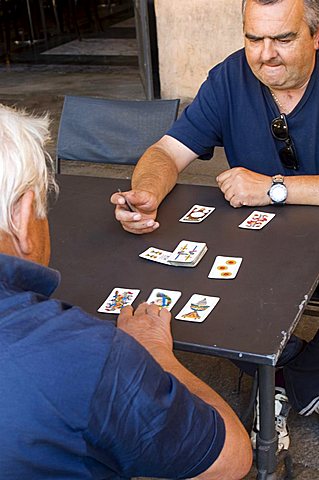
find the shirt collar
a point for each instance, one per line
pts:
(24, 275)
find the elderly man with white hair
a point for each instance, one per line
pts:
(80, 398)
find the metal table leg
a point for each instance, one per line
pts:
(267, 440)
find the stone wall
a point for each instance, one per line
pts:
(193, 36)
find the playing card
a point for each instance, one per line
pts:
(156, 255)
(164, 298)
(197, 214)
(197, 308)
(118, 298)
(225, 267)
(187, 253)
(257, 220)
(128, 203)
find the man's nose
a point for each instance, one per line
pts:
(269, 51)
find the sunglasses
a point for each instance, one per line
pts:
(288, 154)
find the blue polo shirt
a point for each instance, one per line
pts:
(80, 399)
(234, 109)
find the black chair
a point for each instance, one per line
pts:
(99, 130)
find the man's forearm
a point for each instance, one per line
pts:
(155, 172)
(303, 189)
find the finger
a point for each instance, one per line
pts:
(117, 199)
(139, 229)
(165, 315)
(225, 185)
(152, 309)
(223, 176)
(144, 200)
(141, 309)
(125, 313)
(123, 214)
(228, 191)
(234, 202)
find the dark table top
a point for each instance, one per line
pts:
(257, 311)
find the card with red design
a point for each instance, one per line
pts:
(197, 214)
(257, 220)
(225, 268)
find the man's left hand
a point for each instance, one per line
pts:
(244, 187)
(150, 326)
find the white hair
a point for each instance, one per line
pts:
(24, 163)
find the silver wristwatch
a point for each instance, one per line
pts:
(278, 191)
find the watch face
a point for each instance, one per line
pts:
(278, 193)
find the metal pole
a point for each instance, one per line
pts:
(267, 440)
(30, 22)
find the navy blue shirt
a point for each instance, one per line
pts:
(80, 399)
(234, 109)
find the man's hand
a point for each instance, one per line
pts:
(244, 187)
(142, 219)
(150, 326)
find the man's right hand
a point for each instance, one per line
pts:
(143, 218)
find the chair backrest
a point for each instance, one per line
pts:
(111, 131)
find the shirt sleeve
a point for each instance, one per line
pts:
(199, 126)
(144, 422)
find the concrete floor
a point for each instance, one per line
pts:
(41, 89)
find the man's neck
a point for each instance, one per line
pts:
(7, 245)
(287, 100)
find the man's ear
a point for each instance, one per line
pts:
(22, 217)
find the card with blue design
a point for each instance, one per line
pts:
(118, 298)
(164, 298)
(187, 254)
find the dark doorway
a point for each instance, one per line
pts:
(68, 31)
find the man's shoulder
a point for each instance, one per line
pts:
(228, 77)
(234, 61)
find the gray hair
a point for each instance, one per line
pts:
(311, 11)
(24, 163)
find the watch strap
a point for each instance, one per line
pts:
(278, 179)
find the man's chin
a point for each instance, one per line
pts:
(272, 82)
(272, 77)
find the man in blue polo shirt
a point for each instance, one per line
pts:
(80, 398)
(262, 105)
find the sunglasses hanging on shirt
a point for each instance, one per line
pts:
(287, 154)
